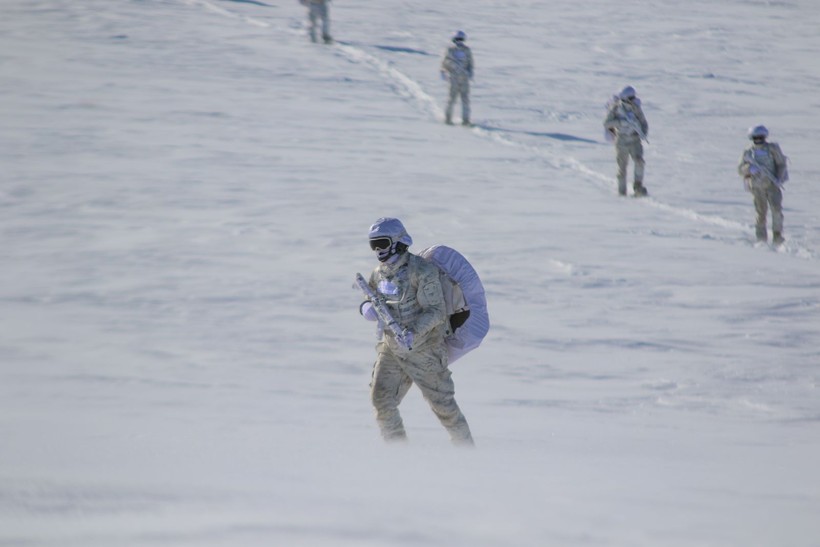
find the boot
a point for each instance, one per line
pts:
(760, 234)
(639, 189)
(460, 433)
(777, 238)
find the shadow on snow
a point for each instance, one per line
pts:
(558, 136)
(393, 49)
(254, 2)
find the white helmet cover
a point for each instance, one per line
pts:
(758, 131)
(392, 228)
(627, 93)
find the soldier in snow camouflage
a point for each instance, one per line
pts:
(457, 68)
(627, 123)
(763, 168)
(318, 11)
(412, 290)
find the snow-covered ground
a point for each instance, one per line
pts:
(185, 192)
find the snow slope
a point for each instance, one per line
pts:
(185, 194)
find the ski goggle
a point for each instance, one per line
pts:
(380, 243)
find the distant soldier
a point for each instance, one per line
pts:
(457, 68)
(763, 168)
(627, 124)
(318, 9)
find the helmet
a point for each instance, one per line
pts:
(758, 131)
(459, 36)
(627, 93)
(388, 237)
(392, 228)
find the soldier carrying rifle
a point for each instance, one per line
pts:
(627, 125)
(763, 168)
(404, 295)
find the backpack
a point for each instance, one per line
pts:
(609, 134)
(464, 298)
(784, 176)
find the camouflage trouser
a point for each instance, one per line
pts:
(319, 11)
(427, 368)
(624, 149)
(459, 87)
(767, 194)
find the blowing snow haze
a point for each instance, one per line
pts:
(186, 190)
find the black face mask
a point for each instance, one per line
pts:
(758, 140)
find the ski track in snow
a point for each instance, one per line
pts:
(409, 89)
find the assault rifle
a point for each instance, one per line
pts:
(750, 158)
(634, 124)
(384, 313)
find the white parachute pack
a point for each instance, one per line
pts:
(464, 297)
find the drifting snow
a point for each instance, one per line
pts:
(186, 191)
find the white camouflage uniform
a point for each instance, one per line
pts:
(457, 66)
(318, 10)
(414, 287)
(622, 119)
(771, 163)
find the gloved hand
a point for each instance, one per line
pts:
(388, 288)
(368, 311)
(754, 169)
(443, 75)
